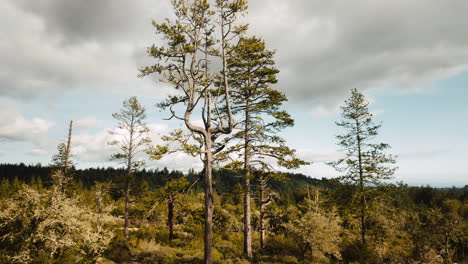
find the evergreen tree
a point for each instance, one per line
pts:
(132, 138)
(170, 192)
(252, 72)
(318, 234)
(200, 34)
(266, 195)
(364, 163)
(59, 159)
(61, 162)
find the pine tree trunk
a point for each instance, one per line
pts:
(209, 205)
(129, 173)
(262, 217)
(247, 217)
(170, 217)
(361, 187)
(247, 172)
(127, 194)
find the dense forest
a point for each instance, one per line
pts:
(245, 205)
(307, 220)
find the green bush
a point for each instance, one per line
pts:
(278, 260)
(118, 249)
(355, 251)
(282, 246)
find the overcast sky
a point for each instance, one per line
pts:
(63, 60)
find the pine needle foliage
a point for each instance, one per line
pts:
(365, 163)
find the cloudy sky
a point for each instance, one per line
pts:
(63, 60)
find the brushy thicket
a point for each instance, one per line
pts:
(305, 224)
(46, 226)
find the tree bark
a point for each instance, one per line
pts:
(247, 217)
(247, 174)
(127, 196)
(67, 156)
(361, 186)
(262, 216)
(129, 173)
(209, 205)
(170, 217)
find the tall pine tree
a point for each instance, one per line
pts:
(365, 163)
(258, 105)
(132, 138)
(202, 32)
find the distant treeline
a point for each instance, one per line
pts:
(224, 180)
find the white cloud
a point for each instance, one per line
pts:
(156, 130)
(323, 48)
(324, 111)
(178, 161)
(15, 127)
(37, 64)
(104, 20)
(93, 150)
(319, 155)
(87, 123)
(318, 171)
(377, 112)
(326, 48)
(318, 159)
(94, 147)
(37, 152)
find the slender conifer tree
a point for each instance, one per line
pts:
(365, 163)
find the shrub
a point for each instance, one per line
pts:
(49, 227)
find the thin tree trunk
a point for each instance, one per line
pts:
(262, 216)
(170, 217)
(447, 248)
(361, 187)
(247, 172)
(127, 194)
(67, 156)
(209, 205)
(247, 217)
(127, 183)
